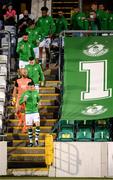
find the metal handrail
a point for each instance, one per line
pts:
(3, 136)
(85, 31)
(9, 49)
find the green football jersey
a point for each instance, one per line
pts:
(35, 73)
(31, 102)
(46, 25)
(25, 50)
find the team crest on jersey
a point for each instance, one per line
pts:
(95, 49)
(94, 110)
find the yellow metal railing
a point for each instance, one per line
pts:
(49, 150)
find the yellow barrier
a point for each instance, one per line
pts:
(49, 150)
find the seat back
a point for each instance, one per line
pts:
(66, 131)
(84, 134)
(101, 134)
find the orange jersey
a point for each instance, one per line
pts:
(22, 85)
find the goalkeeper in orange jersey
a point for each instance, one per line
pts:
(21, 85)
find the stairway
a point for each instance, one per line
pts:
(63, 5)
(24, 160)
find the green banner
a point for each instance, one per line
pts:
(88, 78)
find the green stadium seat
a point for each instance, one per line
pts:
(84, 134)
(84, 124)
(101, 134)
(66, 131)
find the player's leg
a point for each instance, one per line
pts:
(24, 129)
(41, 46)
(18, 112)
(47, 49)
(37, 128)
(36, 52)
(29, 123)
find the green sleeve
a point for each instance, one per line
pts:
(41, 74)
(38, 98)
(86, 25)
(73, 21)
(32, 52)
(65, 24)
(18, 50)
(21, 101)
(52, 26)
(38, 23)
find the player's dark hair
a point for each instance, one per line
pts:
(31, 83)
(31, 58)
(44, 8)
(25, 34)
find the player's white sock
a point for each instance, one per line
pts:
(37, 131)
(30, 135)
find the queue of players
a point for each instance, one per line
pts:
(33, 37)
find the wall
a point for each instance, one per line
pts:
(76, 159)
(110, 159)
(3, 158)
(36, 6)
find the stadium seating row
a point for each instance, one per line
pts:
(83, 131)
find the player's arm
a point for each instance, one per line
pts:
(23, 98)
(41, 74)
(38, 98)
(42, 78)
(15, 91)
(65, 24)
(52, 26)
(72, 21)
(18, 49)
(38, 22)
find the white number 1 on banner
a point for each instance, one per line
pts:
(96, 80)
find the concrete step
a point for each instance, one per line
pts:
(43, 122)
(42, 90)
(49, 96)
(47, 90)
(24, 136)
(48, 83)
(26, 150)
(23, 143)
(43, 115)
(54, 96)
(27, 157)
(28, 171)
(25, 165)
(49, 102)
(45, 102)
(52, 83)
(43, 129)
(42, 109)
(51, 77)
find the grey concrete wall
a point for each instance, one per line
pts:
(3, 158)
(80, 159)
(36, 6)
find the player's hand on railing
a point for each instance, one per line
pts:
(13, 101)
